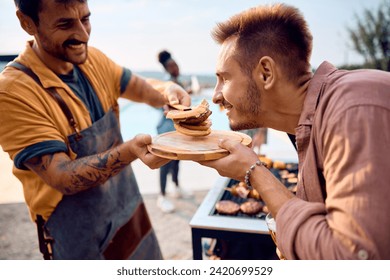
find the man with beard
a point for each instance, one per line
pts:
(341, 123)
(60, 125)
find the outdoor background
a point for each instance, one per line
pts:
(132, 32)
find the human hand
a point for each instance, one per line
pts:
(139, 147)
(175, 94)
(235, 164)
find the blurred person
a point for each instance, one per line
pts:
(259, 137)
(340, 120)
(60, 125)
(163, 126)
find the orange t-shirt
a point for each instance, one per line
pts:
(29, 115)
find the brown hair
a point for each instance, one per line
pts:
(32, 8)
(278, 31)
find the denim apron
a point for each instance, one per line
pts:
(109, 221)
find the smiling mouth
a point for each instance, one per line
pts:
(74, 44)
(227, 106)
(228, 110)
(75, 47)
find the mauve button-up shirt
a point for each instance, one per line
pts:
(342, 209)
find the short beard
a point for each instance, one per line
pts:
(59, 51)
(243, 126)
(253, 102)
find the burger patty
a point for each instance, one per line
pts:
(251, 207)
(227, 207)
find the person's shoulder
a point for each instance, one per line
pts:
(98, 60)
(357, 90)
(359, 87)
(11, 78)
(95, 54)
(362, 77)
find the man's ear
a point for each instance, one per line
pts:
(266, 72)
(26, 23)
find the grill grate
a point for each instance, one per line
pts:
(226, 195)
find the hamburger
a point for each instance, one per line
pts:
(192, 121)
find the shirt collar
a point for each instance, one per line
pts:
(314, 91)
(31, 60)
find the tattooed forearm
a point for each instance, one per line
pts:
(72, 176)
(94, 170)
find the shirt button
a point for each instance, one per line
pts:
(362, 255)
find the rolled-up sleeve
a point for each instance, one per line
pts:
(303, 232)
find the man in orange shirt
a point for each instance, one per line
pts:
(60, 126)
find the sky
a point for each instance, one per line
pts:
(132, 32)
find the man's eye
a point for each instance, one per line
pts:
(64, 25)
(85, 20)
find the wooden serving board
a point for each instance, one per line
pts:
(174, 145)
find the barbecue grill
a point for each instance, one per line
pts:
(208, 223)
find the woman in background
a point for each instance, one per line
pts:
(166, 125)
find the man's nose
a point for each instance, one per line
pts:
(82, 31)
(217, 96)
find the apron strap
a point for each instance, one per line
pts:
(53, 93)
(44, 241)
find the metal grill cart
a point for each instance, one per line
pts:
(247, 236)
(252, 230)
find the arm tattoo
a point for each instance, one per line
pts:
(40, 163)
(94, 170)
(72, 176)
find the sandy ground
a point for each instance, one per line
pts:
(18, 239)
